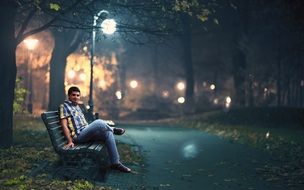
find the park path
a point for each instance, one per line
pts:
(181, 159)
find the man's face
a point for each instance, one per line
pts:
(74, 97)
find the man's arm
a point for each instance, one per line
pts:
(66, 131)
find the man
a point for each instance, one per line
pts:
(77, 130)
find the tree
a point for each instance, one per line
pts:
(8, 70)
(272, 58)
(240, 57)
(66, 42)
(178, 19)
(134, 18)
(15, 19)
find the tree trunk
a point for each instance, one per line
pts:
(155, 71)
(239, 70)
(188, 65)
(250, 91)
(7, 72)
(57, 72)
(279, 77)
(240, 57)
(65, 43)
(57, 77)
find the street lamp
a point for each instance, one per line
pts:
(108, 27)
(31, 45)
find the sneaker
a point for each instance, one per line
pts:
(120, 167)
(118, 131)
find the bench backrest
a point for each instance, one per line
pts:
(52, 123)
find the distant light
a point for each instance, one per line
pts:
(102, 84)
(165, 94)
(265, 89)
(88, 107)
(215, 101)
(228, 99)
(204, 84)
(180, 85)
(85, 48)
(212, 86)
(71, 74)
(31, 43)
(267, 135)
(133, 84)
(82, 76)
(118, 94)
(181, 100)
(228, 102)
(108, 26)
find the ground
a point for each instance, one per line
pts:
(235, 149)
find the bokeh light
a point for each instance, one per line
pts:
(181, 100)
(133, 84)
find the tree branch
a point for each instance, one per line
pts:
(47, 25)
(25, 23)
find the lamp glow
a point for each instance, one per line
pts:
(82, 76)
(228, 99)
(180, 85)
(133, 84)
(181, 100)
(118, 95)
(165, 93)
(108, 26)
(31, 43)
(212, 86)
(71, 74)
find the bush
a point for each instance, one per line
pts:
(19, 96)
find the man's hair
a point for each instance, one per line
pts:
(73, 89)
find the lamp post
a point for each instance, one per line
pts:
(31, 45)
(108, 27)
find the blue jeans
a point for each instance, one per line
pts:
(98, 130)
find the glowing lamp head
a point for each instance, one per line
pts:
(108, 26)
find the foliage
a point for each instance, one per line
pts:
(55, 6)
(20, 93)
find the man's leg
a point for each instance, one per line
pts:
(99, 130)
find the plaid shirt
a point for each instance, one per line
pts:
(74, 115)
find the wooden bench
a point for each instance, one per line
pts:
(80, 160)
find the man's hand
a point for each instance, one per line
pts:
(69, 145)
(64, 124)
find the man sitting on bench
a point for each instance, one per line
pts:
(77, 130)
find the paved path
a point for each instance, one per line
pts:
(182, 159)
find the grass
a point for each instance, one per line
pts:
(278, 131)
(32, 149)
